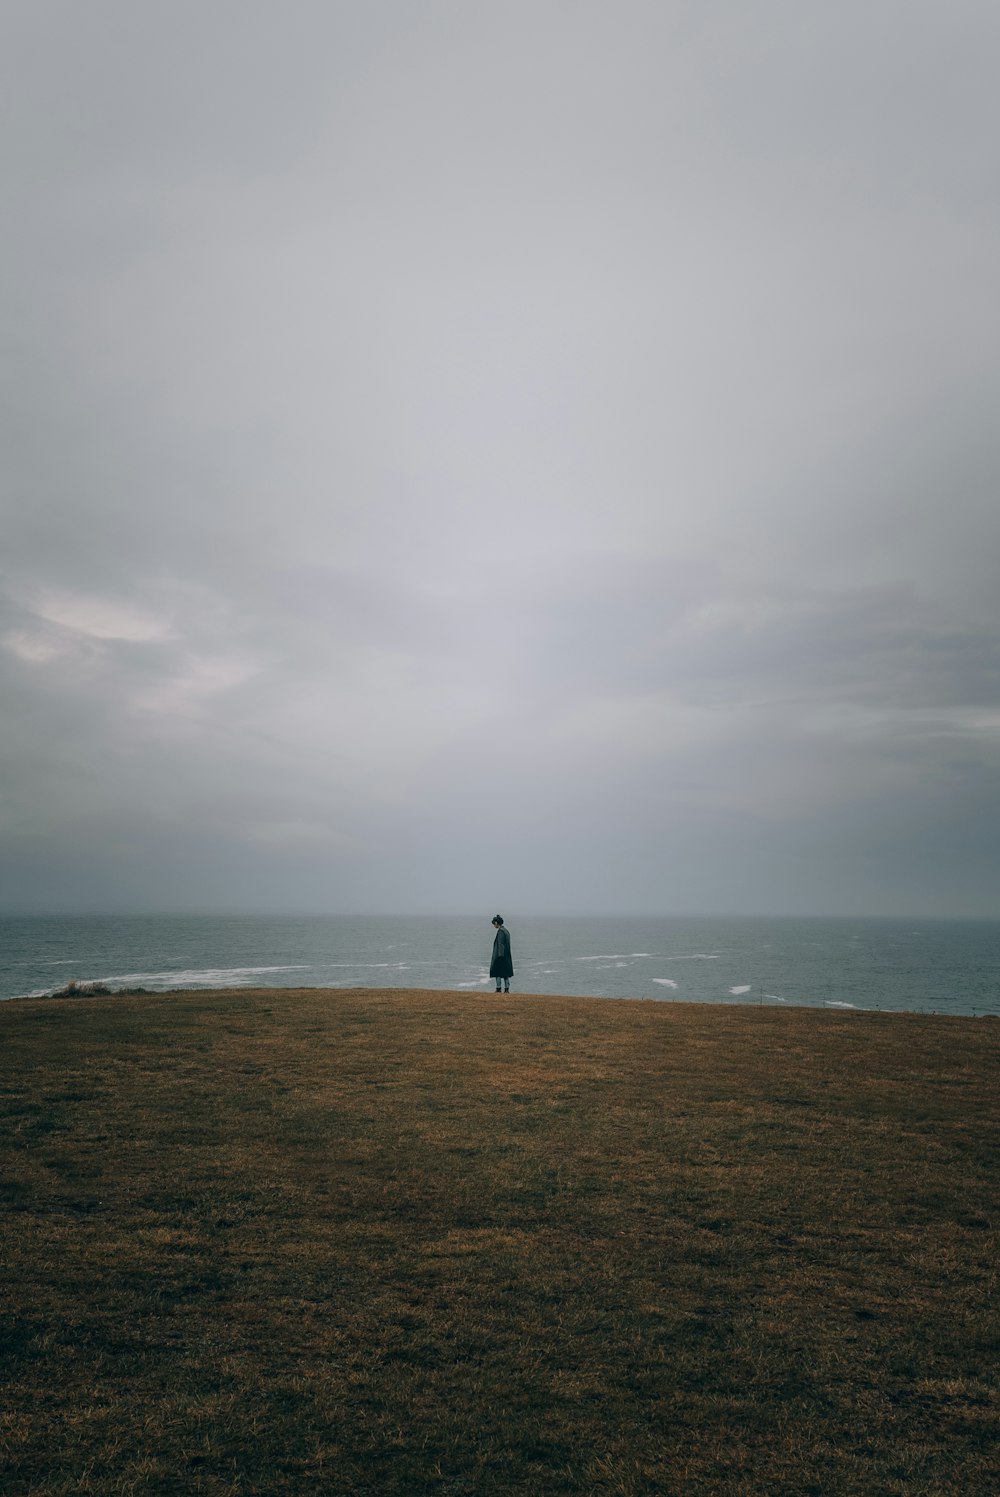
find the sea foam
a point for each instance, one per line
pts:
(212, 976)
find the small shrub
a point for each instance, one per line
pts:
(74, 989)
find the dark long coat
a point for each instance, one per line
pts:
(501, 965)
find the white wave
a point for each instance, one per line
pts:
(604, 956)
(744, 988)
(698, 956)
(212, 976)
(665, 982)
(642, 953)
(371, 966)
(836, 1003)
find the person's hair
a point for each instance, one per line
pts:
(497, 919)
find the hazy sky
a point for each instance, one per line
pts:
(539, 456)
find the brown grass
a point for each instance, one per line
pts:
(417, 1242)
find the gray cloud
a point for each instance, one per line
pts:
(537, 454)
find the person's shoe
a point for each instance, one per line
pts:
(506, 990)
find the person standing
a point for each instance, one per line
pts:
(501, 967)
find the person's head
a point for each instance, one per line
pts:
(498, 920)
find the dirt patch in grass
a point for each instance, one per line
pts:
(382, 1243)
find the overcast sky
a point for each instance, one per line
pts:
(539, 456)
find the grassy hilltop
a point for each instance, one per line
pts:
(388, 1243)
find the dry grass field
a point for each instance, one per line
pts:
(382, 1243)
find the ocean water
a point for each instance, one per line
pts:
(930, 965)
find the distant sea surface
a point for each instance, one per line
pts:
(930, 965)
